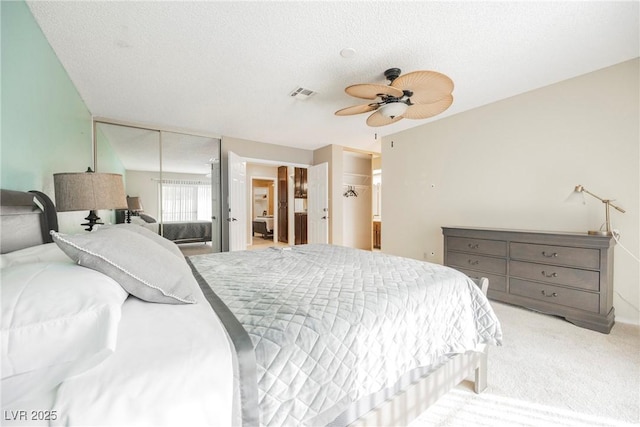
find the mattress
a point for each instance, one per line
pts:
(330, 325)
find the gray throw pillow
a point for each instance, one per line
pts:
(147, 218)
(162, 241)
(144, 269)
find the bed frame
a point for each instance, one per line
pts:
(407, 405)
(27, 218)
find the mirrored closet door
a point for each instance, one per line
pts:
(172, 180)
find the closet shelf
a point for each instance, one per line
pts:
(356, 179)
(362, 186)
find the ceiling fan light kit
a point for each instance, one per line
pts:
(416, 95)
(393, 109)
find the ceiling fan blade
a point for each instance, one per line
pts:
(378, 119)
(427, 86)
(372, 91)
(356, 109)
(424, 111)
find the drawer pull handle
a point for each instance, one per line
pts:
(547, 255)
(473, 246)
(544, 273)
(553, 295)
(476, 262)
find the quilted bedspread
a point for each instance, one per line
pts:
(330, 325)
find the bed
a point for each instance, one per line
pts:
(244, 338)
(187, 232)
(263, 225)
(176, 231)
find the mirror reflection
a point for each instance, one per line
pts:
(172, 180)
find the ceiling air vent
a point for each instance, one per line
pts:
(302, 93)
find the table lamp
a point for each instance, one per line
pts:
(78, 191)
(578, 196)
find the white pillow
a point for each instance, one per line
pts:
(49, 252)
(58, 320)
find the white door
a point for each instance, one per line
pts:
(237, 202)
(318, 203)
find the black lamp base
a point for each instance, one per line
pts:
(92, 220)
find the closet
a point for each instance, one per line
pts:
(356, 195)
(175, 175)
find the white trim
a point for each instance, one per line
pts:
(150, 127)
(275, 163)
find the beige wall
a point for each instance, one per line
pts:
(264, 151)
(512, 164)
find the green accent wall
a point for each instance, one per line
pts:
(46, 126)
(108, 160)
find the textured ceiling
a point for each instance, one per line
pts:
(227, 68)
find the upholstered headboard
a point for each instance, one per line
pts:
(25, 219)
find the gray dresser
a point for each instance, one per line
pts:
(565, 274)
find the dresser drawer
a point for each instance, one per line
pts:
(496, 282)
(555, 295)
(477, 262)
(562, 255)
(585, 279)
(480, 246)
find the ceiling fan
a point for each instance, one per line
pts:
(415, 95)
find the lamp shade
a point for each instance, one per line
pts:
(134, 204)
(89, 191)
(576, 196)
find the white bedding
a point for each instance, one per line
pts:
(180, 373)
(172, 366)
(331, 325)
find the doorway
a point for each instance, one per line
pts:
(262, 211)
(238, 213)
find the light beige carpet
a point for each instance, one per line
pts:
(549, 372)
